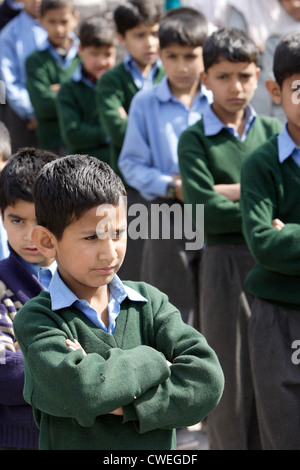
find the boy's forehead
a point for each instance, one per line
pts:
(227, 65)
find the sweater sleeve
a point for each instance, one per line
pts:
(261, 190)
(64, 383)
(221, 215)
(195, 385)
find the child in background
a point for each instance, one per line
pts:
(23, 275)
(18, 39)
(109, 364)
(270, 203)
(5, 154)
(54, 62)
(210, 157)
(137, 31)
(77, 111)
(149, 160)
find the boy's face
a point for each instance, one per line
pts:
(97, 60)
(233, 85)
(183, 66)
(32, 7)
(19, 221)
(142, 44)
(59, 23)
(292, 7)
(288, 96)
(92, 249)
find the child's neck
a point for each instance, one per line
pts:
(235, 120)
(186, 96)
(63, 49)
(145, 69)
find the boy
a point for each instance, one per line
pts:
(78, 117)
(210, 157)
(101, 344)
(149, 160)
(5, 154)
(18, 39)
(270, 207)
(137, 31)
(54, 62)
(23, 275)
(9, 9)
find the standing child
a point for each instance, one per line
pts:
(78, 116)
(54, 62)
(18, 39)
(149, 160)
(210, 157)
(137, 31)
(22, 276)
(96, 348)
(270, 202)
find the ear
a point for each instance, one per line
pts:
(44, 241)
(274, 90)
(204, 79)
(121, 39)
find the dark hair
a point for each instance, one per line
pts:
(230, 44)
(5, 142)
(97, 31)
(47, 5)
(287, 58)
(68, 187)
(133, 13)
(19, 174)
(184, 26)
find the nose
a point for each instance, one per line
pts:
(108, 250)
(28, 232)
(236, 84)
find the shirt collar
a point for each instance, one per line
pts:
(72, 52)
(164, 94)
(63, 297)
(43, 274)
(132, 67)
(213, 125)
(286, 145)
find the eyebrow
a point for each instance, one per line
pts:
(14, 216)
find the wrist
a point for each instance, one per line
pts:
(171, 190)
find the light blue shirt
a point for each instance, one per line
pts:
(141, 82)
(43, 274)
(156, 120)
(63, 297)
(213, 125)
(66, 61)
(287, 147)
(18, 39)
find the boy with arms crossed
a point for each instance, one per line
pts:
(210, 157)
(96, 348)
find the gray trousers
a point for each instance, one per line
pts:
(274, 340)
(225, 314)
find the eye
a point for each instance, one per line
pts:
(91, 237)
(16, 221)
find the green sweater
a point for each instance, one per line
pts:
(72, 395)
(270, 190)
(43, 70)
(79, 122)
(115, 90)
(205, 161)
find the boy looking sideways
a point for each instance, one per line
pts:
(270, 205)
(22, 276)
(96, 348)
(210, 157)
(77, 113)
(47, 68)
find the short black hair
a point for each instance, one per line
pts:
(47, 5)
(66, 188)
(5, 142)
(286, 61)
(19, 174)
(133, 13)
(230, 44)
(183, 26)
(97, 31)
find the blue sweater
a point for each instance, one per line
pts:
(17, 286)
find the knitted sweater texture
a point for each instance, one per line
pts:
(72, 395)
(17, 286)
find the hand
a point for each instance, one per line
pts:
(117, 412)
(122, 112)
(55, 87)
(278, 224)
(31, 125)
(231, 191)
(74, 345)
(16, 345)
(178, 187)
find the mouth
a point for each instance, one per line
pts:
(32, 251)
(105, 271)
